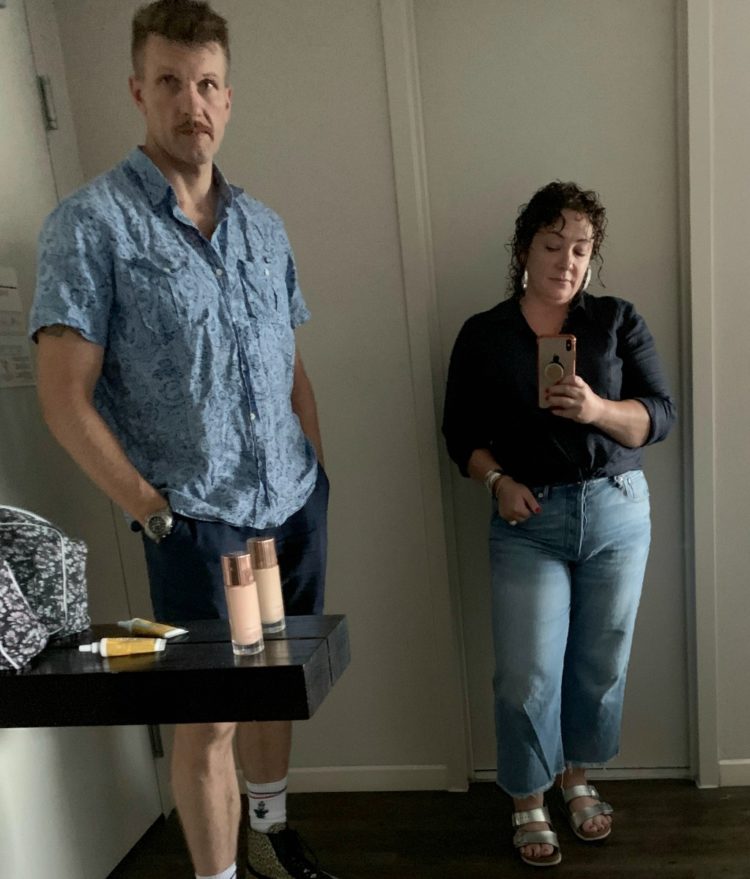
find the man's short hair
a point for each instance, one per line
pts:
(192, 22)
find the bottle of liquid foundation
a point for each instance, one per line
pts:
(242, 603)
(268, 578)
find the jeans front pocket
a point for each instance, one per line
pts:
(632, 484)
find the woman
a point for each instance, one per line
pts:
(570, 527)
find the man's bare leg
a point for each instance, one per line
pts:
(263, 750)
(205, 789)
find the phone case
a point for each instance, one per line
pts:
(556, 359)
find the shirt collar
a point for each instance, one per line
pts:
(579, 303)
(158, 187)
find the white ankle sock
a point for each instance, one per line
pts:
(229, 873)
(267, 804)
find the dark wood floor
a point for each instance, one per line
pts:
(666, 829)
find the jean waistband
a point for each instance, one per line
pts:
(541, 492)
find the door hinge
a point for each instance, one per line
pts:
(48, 102)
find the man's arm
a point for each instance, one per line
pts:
(303, 406)
(68, 367)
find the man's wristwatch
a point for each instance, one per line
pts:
(158, 525)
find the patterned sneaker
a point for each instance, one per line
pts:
(279, 854)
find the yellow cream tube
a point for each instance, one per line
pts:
(124, 646)
(138, 626)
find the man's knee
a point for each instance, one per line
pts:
(203, 743)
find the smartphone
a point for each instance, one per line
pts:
(556, 359)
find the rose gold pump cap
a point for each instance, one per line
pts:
(237, 568)
(263, 550)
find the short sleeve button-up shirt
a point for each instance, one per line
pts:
(198, 339)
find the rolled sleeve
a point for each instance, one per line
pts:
(464, 427)
(643, 375)
(74, 276)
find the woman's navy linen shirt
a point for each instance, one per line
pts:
(492, 400)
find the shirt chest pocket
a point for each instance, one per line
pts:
(151, 291)
(263, 282)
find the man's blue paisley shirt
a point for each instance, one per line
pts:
(198, 339)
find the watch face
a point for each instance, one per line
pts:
(159, 524)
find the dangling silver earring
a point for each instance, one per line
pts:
(524, 280)
(587, 279)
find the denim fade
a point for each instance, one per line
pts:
(566, 585)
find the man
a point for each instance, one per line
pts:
(165, 314)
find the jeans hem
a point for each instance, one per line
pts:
(534, 793)
(590, 764)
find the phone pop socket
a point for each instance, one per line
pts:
(554, 372)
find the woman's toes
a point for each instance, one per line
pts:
(534, 852)
(597, 825)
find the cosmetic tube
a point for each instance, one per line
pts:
(124, 646)
(268, 580)
(242, 603)
(137, 626)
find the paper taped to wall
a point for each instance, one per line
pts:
(15, 357)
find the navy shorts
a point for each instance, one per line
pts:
(184, 570)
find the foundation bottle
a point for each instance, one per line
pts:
(242, 603)
(268, 578)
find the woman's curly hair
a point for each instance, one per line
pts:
(544, 210)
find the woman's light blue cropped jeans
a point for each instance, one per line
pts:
(565, 591)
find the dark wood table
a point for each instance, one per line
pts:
(196, 679)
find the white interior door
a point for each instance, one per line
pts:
(515, 95)
(89, 793)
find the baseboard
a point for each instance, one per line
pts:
(613, 774)
(734, 773)
(367, 778)
(320, 779)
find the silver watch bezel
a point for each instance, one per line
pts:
(165, 520)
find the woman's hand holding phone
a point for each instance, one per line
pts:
(572, 398)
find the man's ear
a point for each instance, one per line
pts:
(136, 92)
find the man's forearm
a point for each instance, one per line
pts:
(68, 368)
(80, 430)
(304, 407)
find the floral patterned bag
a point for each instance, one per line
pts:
(50, 569)
(22, 636)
